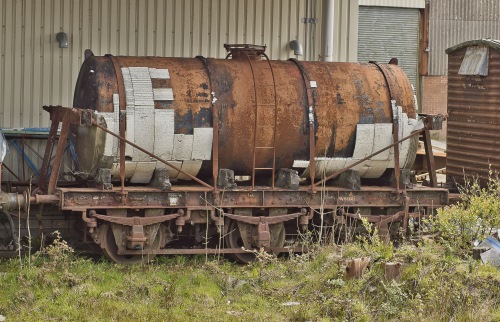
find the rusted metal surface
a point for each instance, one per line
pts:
(431, 168)
(132, 221)
(68, 117)
(347, 94)
(215, 251)
(122, 117)
(61, 145)
(245, 51)
(473, 146)
(391, 80)
(81, 199)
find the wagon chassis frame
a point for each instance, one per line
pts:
(178, 203)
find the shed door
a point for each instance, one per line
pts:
(387, 32)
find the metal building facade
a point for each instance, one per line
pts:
(34, 71)
(386, 32)
(394, 3)
(454, 21)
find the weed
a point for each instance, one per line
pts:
(473, 218)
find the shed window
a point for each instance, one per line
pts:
(475, 62)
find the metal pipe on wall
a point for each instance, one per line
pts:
(327, 41)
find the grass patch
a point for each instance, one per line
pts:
(439, 282)
(434, 286)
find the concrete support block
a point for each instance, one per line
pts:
(161, 179)
(226, 179)
(287, 179)
(349, 179)
(404, 179)
(103, 179)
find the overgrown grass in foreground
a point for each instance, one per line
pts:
(435, 285)
(440, 281)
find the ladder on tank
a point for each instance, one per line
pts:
(265, 102)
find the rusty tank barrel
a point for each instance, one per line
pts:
(264, 110)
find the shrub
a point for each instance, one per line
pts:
(473, 218)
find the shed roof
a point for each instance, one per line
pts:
(476, 42)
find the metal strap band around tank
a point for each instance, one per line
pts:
(311, 103)
(122, 116)
(215, 121)
(395, 123)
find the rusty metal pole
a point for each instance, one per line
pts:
(431, 168)
(24, 161)
(312, 148)
(54, 117)
(61, 144)
(122, 117)
(215, 121)
(395, 136)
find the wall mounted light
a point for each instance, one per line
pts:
(62, 38)
(296, 46)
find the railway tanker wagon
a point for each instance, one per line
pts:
(217, 155)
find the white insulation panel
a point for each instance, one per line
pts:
(164, 133)
(159, 73)
(189, 166)
(183, 147)
(202, 143)
(144, 133)
(370, 138)
(143, 172)
(163, 94)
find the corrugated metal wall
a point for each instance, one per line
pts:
(34, 71)
(474, 120)
(386, 32)
(454, 21)
(394, 3)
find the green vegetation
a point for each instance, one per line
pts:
(472, 218)
(435, 285)
(439, 282)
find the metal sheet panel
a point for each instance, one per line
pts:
(394, 3)
(34, 71)
(454, 21)
(473, 134)
(385, 33)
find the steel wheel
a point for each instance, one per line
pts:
(110, 249)
(234, 240)
(8, 236)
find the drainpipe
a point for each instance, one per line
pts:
(327, 41)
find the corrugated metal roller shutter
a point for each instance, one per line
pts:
(386, 32)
